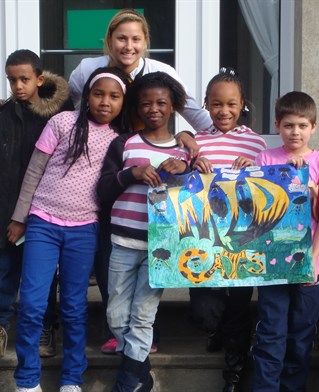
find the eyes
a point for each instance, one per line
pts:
(23, 79)
(148, 104)
(217, 104)
(290, 126)
(136, 39)
(100, 94)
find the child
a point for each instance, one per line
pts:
(288, 313)
(62, 225)
(225, 313)
(129, 167)
(36, 96)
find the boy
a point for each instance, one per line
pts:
(288, 313)
(36, 96)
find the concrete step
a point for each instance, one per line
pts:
(182, 363)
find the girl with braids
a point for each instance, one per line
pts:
(131, 165)
(58, 201)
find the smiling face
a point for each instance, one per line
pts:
(155, 108)
(105, 100)
(127, 45)
(295, 132)
(224, 103)
(24, 82)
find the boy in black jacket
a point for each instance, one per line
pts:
(36, 96)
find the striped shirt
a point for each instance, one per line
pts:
(221, 149)
(129, 216)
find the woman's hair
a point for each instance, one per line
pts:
(227, 75)
(296, 103)
(125, 15)
(79, 134)
(25, 56)
(156, 80)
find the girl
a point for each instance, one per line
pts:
(125, 46)
(128, 168)
(62, 225)
(226, 312)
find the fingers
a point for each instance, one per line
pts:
(241, 162)
(173, 166)
(202, 165)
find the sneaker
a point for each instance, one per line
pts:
(109, 347)
(154, 348)
(70, 388)
(23, 389)
(145, 386)
(3, 341)
(47, 347)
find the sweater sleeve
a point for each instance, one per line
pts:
(30, 182)
(113, 179)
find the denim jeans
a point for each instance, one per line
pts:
(132, 304)
(72, 249)
(10, 272)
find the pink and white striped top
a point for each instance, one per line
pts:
(221, 149)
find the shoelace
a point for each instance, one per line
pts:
(45, 337)
(70, 388)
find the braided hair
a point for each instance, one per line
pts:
(78, 140)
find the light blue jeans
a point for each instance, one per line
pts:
(132, 303)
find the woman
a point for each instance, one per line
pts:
(126, 42)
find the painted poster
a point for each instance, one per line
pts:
(247, 227)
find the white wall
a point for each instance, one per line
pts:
(197, 46)
(19, 29)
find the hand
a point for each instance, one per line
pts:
(15, 231)
(298, 161)
(173, 166)
(185, 140)
(147, 174)
(203, 165)
(241, 162)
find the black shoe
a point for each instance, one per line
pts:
(231, 387)
(145, 386)
(214, 342)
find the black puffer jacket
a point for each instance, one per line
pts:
(20, 126)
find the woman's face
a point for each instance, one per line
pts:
(127, 45)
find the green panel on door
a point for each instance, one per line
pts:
(86, 28)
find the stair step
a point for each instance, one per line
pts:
(182, 363)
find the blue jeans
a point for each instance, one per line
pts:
(72, 249)
(132, 303)
(10, 272)
(287, 324)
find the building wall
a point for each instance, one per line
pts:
(309, 52)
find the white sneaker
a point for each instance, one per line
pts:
(35, 389)
(70, 388)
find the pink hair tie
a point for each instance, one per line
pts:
(108, 75)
